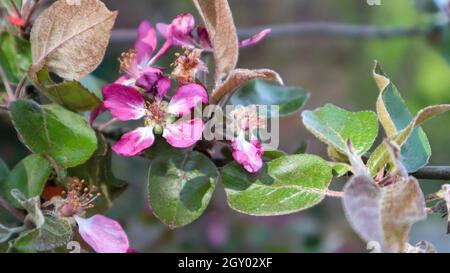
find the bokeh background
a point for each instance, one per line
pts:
(334, 70)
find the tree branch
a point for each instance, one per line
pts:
(433, 173)
(309, 29)
(427, 172)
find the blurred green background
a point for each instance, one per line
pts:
(333, 70)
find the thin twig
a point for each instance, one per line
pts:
(105, 126)
(19, 215)
(16, 9)
(7, 85)
(310, 29)
(433, 173)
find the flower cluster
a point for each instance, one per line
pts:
(142, 92)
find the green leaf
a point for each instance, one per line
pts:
(29, 176)
(15, 56)
(54, 131)
(273, 154)
(334, 126)
(340, 169)
(259, 92)
(395, 116)
(285, 185)
(54, 233)
(180, 186)
(97, 171)
(70, 94)
(4, 171)
(380, 157)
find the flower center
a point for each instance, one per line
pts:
(187, 66)
(155, 112)
(78, 198)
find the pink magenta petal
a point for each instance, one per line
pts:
(146, 42)
(181, 27)
(123, 102)
(204, 40)
(163, 86)
(255, 38)
(187, 97)
(184, 133)
(148, 79)
(135, 142)
(248, 154)
(162, 28)
(103, 234)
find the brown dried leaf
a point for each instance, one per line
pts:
(221, 29)
(71, 40)
(238, 77)
(362, 201)
(403, 204)
(384, 215)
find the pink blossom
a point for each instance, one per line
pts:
(180, 33)
(126, 103)
(137, 63)
(247, 153)
(103, 234)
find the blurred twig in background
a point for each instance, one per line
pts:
(310, 29)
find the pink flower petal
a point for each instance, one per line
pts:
(124, 102)
(184, 133)
(204, 40)
(162, 28)
(181, 27)
(248, 154)
(103, 234)
(187, 97)
(149, 78)
(255, 38)
(146, 42)
(163, 86)
(135, 142)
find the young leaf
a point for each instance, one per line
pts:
(15, 56)
(362, 202)
(55, 232)
(29, 176)
(285, 185)
(70, 94)
(402, 205)
(289, 99)
(180, 186)
(380, 156)
(238, 77)
(395, 116)
(222, 33)
(54, 131)
(71, 40)
(383, 215)
(31, 205)
(335, 126)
